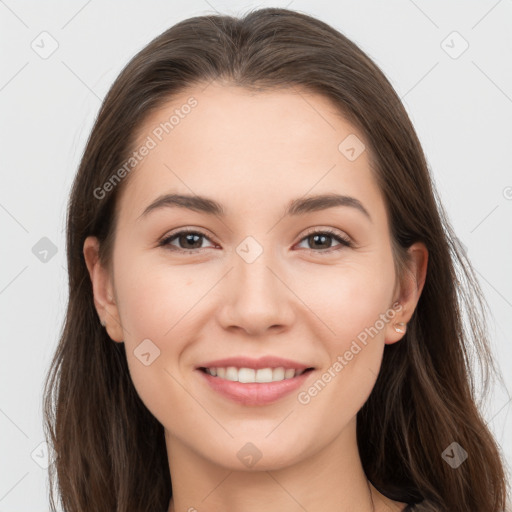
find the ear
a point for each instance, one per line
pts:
(409, 291)
(103, 290)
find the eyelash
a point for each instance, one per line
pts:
(344, 242)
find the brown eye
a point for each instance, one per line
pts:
(188, 241)
(321, 241)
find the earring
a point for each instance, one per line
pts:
(102, 322)
(400, 327)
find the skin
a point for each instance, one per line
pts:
(253, 153)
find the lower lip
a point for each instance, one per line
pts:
(255, 393)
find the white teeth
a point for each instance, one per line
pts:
(231, 373)
(289, 373)
(248, 375)
(264, 375)
(278, 373)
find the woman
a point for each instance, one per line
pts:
(264, 308)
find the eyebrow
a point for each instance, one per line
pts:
(295, 207)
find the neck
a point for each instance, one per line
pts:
(330, 480)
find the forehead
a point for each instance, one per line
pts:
(249, 150)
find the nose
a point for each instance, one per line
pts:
(256, 297)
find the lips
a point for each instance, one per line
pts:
(254, 382)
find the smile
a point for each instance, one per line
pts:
(247, 391)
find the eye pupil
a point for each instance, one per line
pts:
(316, 237)
(188, 237)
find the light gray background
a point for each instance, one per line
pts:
(461, 106)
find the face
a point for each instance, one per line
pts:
(307, 288)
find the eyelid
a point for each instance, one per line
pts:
(325, 229)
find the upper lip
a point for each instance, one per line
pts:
(248, 362)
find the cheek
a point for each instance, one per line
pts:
(154, 297)
(352, 311)
(156, 307)
(157, 315)
(347, 299)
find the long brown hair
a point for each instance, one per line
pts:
(110, 450)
